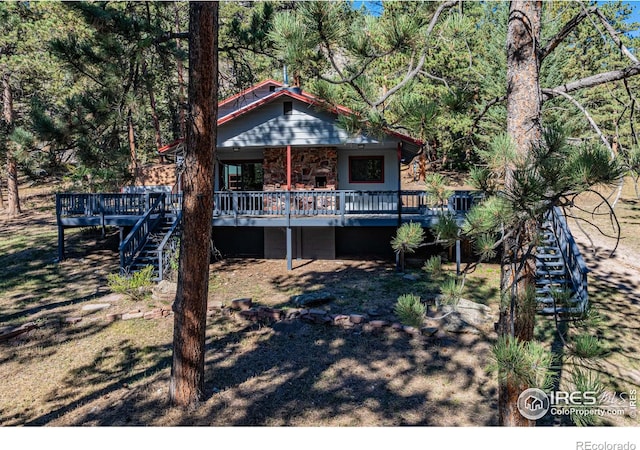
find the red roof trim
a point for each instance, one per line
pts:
(249, 90)
(168, 147)
(311, 101)
(304, 97)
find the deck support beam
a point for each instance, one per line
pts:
(458, 256)
(289, 249)
(60, 242)
(288, 167)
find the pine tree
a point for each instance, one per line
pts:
(190, 307)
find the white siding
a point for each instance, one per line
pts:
(267, 126)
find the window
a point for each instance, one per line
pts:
(242, 176)
(288, 108)
(366, 169)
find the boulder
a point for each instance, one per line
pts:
(465, 317)
(241, 304)
(357, 318)
(313, 298)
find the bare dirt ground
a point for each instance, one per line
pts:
(94, 372)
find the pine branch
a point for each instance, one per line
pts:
(562, 34)
(414, 71)
(586, 114)
(625, 51)
(593, 80)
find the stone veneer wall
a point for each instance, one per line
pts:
(306, 165)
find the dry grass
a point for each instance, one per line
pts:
(99, 373)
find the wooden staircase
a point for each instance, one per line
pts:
(154, 240)
(561, 274)
(151, 253)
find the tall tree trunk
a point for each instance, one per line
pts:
(13, 196)
(190, 307)
(524, 103)
(181, 116)
(132, 146)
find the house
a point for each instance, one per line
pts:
(279, 147)
(289, 183)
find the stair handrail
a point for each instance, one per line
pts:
(574, 261)
(137, 237)
(162, 264)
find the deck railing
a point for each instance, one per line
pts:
(111, 204)
(271, 203)
(571, 253)
(136, 239)
(168, 248)
(314, 203)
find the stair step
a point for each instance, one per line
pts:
(564, 311)
(548, 281)
(548, 300)
(555, 256)
(551, 273)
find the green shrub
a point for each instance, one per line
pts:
(451, 291)
(588, 347)
(410, 310)
(409, 237)
(433, 266)
(136, 286)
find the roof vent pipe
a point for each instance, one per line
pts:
(285, 76)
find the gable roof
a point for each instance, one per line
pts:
(261, 96)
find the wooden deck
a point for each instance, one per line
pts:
(287, 209)
(268, 208)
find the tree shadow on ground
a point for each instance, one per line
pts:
(291, 373)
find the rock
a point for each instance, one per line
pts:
(397, 326)
(411, 277)
(465, 317)
(72, 319)
(7, 334)
(165, 287)
(249, 314)
(411, 330)
(96, 306)
(317, 312)
(153, 314)
(166, 312)
(132, 315)
(291, 313)
(429, 331)
(113, 317)
(357, 318)
(340, 319)
(241, 304)
(378, 323)
(269, 313)
(313, 298)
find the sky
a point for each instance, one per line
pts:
(375, 7)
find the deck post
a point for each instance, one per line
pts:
(399, 184)
(289, 249)
(60, 242)
(458, 256)
(288, 167)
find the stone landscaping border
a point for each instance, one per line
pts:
(245, 309)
